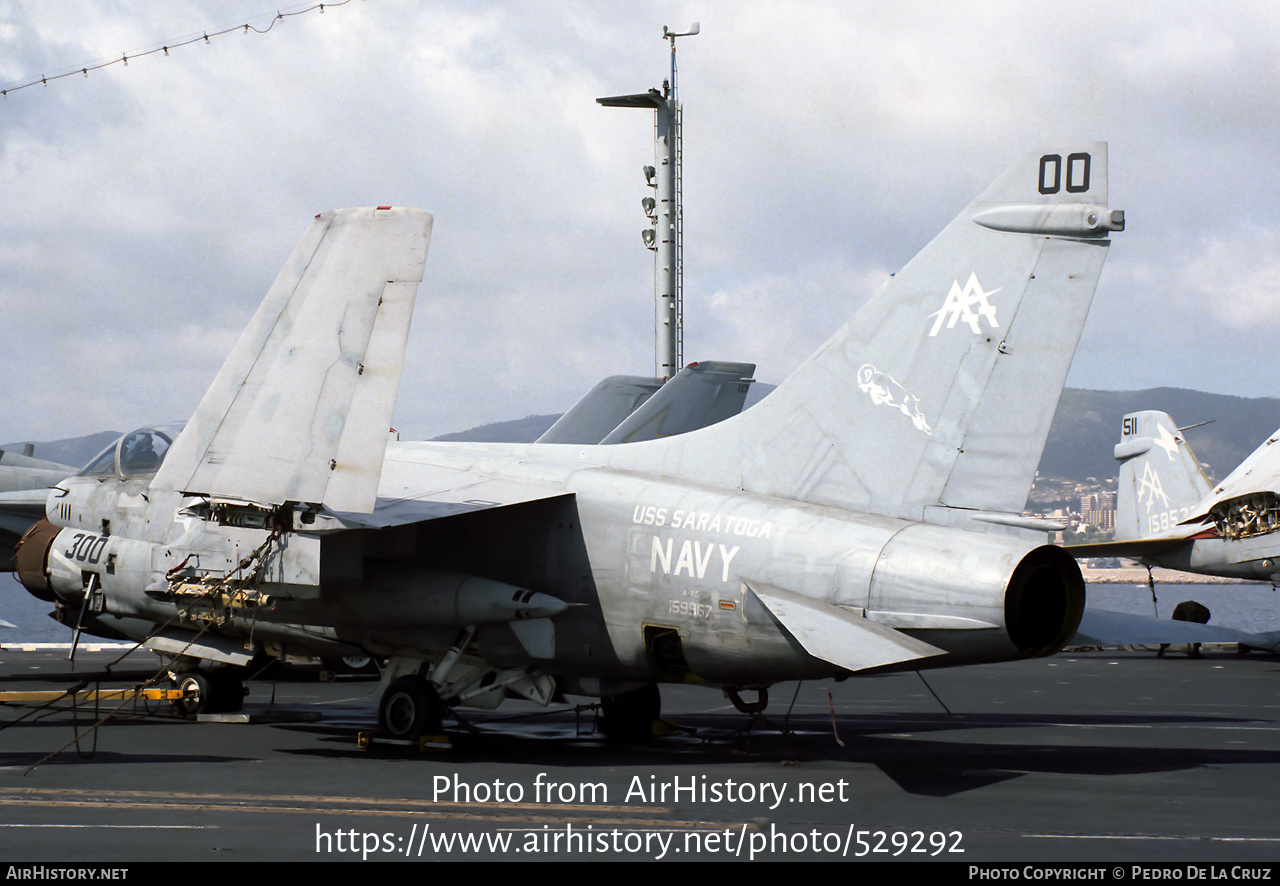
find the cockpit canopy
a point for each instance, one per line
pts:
(137, 452)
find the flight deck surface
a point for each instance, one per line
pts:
(1099, 756)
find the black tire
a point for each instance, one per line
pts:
(209, 692)
(630, 715)
(198, 689)
(410, 707)
(226, 692)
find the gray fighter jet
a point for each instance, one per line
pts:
(865, 516)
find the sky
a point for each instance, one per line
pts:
(146, 208)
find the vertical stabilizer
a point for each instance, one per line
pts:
(941, 389)
(1161, 482)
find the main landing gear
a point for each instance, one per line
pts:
(216, 691)
(630, 715)
(410, 707)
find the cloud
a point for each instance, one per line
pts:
(1238, 279)
(147, 209)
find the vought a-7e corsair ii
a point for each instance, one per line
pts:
(865, 516)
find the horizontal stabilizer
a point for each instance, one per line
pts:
(300, 410)
(838, 636)
(1132, 549)
(17, 460)
(21, 472)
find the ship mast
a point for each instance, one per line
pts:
(664, 212)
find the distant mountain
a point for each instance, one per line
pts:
(531, 427)
(520, 430)
(1086, 428)
(1084, 432)
(74, 451)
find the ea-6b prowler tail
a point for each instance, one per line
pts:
(1161, 481)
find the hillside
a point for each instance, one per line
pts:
(1086, 427)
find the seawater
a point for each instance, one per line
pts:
(1244, 607)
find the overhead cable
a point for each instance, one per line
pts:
(206, 36)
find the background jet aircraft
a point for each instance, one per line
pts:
(698, 396)
(21, 471)
(601, 409)
(866, 515)
(26, 481)
(1168, 514)
(628, 408)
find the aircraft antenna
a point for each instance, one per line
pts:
(663, 209)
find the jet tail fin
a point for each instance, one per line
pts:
(601, 409)
(628, 408)
(1161, 481)
(300, 409)
(701, 394)
(937, 396)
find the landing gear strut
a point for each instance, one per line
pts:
(754, 707)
